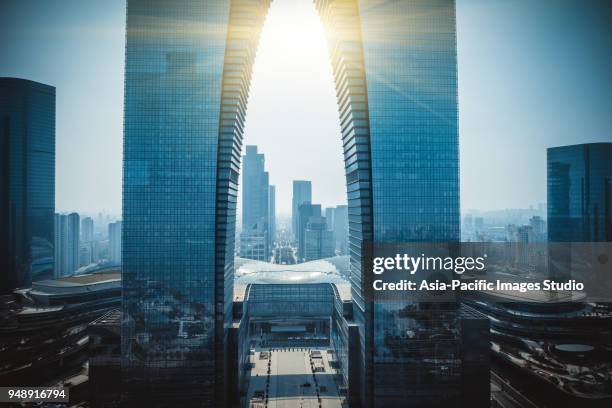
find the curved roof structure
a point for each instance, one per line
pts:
(330, 270)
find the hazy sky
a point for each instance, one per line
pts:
(532, 74)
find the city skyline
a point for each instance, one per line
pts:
(515, 170)
(396, 282)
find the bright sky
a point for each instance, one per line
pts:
(292, 114)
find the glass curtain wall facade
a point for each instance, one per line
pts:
(27, 182)
(255, 204)
(302, 193)
(188, 66)
(395, 67)
(187, 74)
(580, 193)
(410, 62)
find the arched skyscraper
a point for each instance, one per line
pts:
(188, 69)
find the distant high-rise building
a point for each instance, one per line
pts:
(272, 217)
(87, 229)
(89, 253)
(524, 234)
(302, 193)
(254, 242)
(340, 228)
(85, 254)
(580, 193)
(73, 242)
(305, 212)
(538, 226)
(329, 217)
(27, 182)
(67, 244)
(114, 242)
(255, 200)
(318, 239)
(468, 222)
(95, 251)
(59, 223)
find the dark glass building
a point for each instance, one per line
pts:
(255, 200)
(188, 66)
(187, 72)
(395, 66)
(305, 212)
(580, 193)
(27, 182)
(302, 193)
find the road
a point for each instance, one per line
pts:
(290, 371)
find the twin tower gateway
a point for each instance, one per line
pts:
(187, 74)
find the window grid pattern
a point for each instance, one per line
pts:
(27, 182)
(173, 74)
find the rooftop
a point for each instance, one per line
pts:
(536, 296)
(93, 277)
(330, 270)
(103, 280)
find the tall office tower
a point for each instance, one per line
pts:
(519, 252)
(329, 222)
(525, 253)
(59, 228)
(188, 66)
(525, 234)
(580, 193)
(72, 247)
(255, 200)
(305, 212)
(395, 66)
(27, 182)
(302, 193)
(272, 217)
(114, 242)
(318, 239)
(100, 225)
(255, 188)
(340, 228)
(187, 73)
(87, 229)
(67, 244)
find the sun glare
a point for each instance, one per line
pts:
(292, 112)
